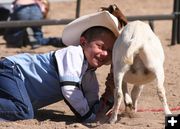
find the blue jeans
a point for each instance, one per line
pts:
(15, 103)
(19, 36)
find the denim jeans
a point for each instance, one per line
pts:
(19, 35)
(15, 103)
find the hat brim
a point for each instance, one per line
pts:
(72, 32)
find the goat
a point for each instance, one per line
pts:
(138, 58)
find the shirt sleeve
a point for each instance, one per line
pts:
(70, 63)
(82, 98)
(90, 87)
(75, 99)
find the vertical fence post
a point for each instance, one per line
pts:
(178, 24)
(175, 23)
(78, 8)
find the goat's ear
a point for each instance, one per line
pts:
(120, 16)
(114, 10)
(122, 20)
(109, 9)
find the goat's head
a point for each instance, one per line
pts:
(114, 10)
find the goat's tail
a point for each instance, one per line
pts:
(129, 59)
(133, 49)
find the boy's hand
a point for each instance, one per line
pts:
(101, 115)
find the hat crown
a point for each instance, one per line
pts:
(72, 32)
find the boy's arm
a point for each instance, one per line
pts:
(78, 104)
(83, 99)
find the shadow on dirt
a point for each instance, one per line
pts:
(54, 115)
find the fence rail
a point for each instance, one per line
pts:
(25, 23)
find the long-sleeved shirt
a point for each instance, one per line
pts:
(59, 75)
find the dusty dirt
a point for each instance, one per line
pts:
(58, 115)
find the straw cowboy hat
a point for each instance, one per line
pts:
(72, 32)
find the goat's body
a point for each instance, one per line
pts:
(138, 58)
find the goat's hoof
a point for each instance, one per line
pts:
(168, 113)
(112, 120)
(129, 114)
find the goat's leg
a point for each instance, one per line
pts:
(135, 93)
(118, 95)
(127, 98)
(159, 72)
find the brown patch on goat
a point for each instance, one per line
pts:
(114, 10)
(134, 70)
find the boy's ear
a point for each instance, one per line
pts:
(82, 41)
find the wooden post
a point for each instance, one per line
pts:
(178, 24)
(175, 23)
(78, 8)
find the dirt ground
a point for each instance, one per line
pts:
(58, 115)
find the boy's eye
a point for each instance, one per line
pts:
(99, 46)
(102, 47)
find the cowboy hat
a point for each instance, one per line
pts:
(72, 32)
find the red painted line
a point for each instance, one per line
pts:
(158, 110)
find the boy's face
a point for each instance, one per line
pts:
(99, 51)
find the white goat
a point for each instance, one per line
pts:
(138, 58)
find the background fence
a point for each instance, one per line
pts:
(175, 17)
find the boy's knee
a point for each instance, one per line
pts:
(20, 113)
(26, 113)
